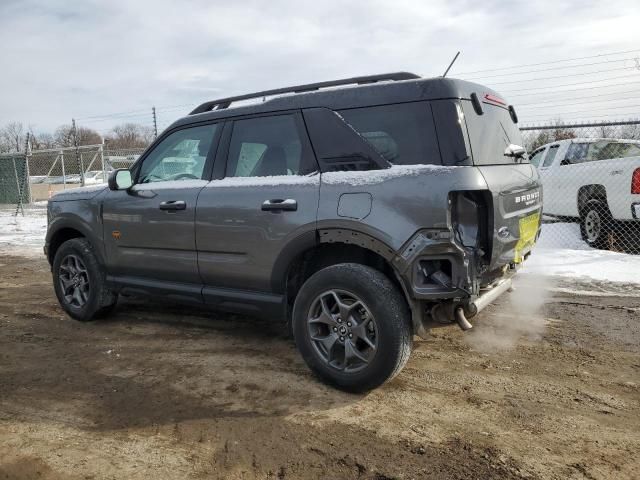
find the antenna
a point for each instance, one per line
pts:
(450, 65)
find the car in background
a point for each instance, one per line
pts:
(35, 179)
(595, 181)
(60, 179)
(94, 177)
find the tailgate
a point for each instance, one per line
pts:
(517, 211)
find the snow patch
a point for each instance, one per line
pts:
(271, 181)
(561, 252)
(22, 235)
(372, 177)
(81, 190)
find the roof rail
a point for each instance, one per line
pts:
(225, 102)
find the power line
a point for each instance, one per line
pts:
(591, 118)
(112, 114)
(123, 117)
(129, 112)
(564, 76)
(586, 100)
(587, 111)
(557, 92)
(548, 63)
(581, 83)
(551, 69)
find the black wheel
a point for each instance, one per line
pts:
(79, 283)
(596, 224)
(352, 326)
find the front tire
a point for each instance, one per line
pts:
(352, 326)
(79, 281)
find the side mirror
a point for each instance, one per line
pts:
(120, 179)
(515, 151)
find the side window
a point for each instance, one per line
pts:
(402, 134)
(180, 156)
(268, 146)
(610, 150)
(551, 156)
(536, 157)
(577, 153)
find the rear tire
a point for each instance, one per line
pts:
(596, 224)
(79, 281)
(352, 326)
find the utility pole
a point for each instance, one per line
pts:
(155, 123)
(21, 184)
(78, 156)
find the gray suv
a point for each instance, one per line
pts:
(362, 211)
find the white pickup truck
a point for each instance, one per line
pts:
(595, 181)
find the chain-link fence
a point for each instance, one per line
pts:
(590, 174)
(14, 172)
(58, 169)
(591, 180)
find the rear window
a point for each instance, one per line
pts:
(600, 150)
(403, 134)
(490, 133)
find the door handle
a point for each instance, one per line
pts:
(278, 205)
(173, 205)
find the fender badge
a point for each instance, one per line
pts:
(116, 234)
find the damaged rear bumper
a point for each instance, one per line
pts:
(448, 283)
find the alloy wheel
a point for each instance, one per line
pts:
(74, 281)
(342, 330)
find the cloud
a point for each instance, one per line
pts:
(64, 59)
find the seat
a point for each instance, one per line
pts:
(273, 162)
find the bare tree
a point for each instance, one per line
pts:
(548, 136)
(63, 136)
(12, 137)
(130, 135)
(41, 140)
(630, 132)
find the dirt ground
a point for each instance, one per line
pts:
(159, 391)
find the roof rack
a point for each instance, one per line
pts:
(225, 102)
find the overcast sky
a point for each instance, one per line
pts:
(62, 59)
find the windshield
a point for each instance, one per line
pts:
(491, 133)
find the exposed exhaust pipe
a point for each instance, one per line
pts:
(480, 303)
(463, 323)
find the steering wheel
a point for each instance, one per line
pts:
(180, 176)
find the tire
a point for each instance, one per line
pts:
(86, 296)
(374, 308)
(596, 224)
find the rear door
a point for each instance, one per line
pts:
(149, 230)
(264, 196)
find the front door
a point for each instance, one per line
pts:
(149, 229)
(267, 199)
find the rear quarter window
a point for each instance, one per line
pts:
(403, 134)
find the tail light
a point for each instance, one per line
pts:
(635, 182)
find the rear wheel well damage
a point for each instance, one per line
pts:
(59, 238)
(337, 251)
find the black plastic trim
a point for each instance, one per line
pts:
(226, 102)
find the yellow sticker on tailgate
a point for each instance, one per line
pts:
(528, 230)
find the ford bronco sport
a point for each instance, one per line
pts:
(362, 211)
